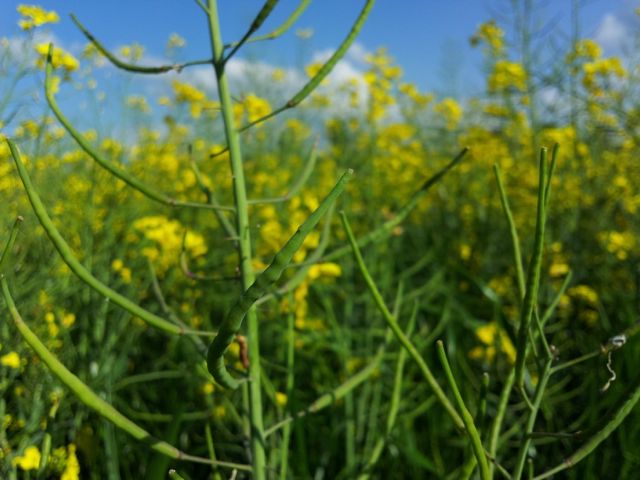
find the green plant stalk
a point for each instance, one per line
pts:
(264, 12)
(334, 395)
(111, 167)
(467, 418)
(384, 230)
(380, 233)
(393, 324)
(325, 70)
(515, 242)
(290, 362)
(533, 274)
(531, 420)
(130, 67)
(76, 267)
(91, 399)
(9, 245)
(612, 422)
(286, 25)
(394, 404)
(233, 320)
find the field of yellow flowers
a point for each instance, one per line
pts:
(339, 396)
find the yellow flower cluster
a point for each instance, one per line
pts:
(620, 244)
(451, 112)
(255, 107)
(493, 340)
(125, 273)
(59, 58)
(164, 238)
(507, 75)
(35, 16)
(29, 460)
(601, 70)
(379, 79)
(490, 34)
(11, 360)
(186, 93)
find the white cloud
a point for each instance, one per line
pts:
(611, 33)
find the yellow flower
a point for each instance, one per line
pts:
(186, 93)
(507, 75)
(256, 107)
(30, 460)
(451, 111)
(68, 319)
(493, 338)
(325, 270)
(208, 388)
(492, 35)
(34, 16)
(59, 58)
(72, 468)
(281, 399)
(11, 360)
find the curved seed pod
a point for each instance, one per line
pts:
(114, 169)
(129, 67)
(264, 12)
(324, 70)
(533, 274)
(77, 268)
(94, 401)
(286, 25)
(233, 320)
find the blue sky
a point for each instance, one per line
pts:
(428, 38)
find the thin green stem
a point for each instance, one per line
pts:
(385, 230)
(394, 404)
(325, 70)
(333, 396)
(10, 242)
(233, 320)
(131, 67)
(286, 25)
(531, 420)
(533, 274)
(513, 232)
(94, 401)
(76, 267)
(264, 12)
(612, 422)
(467, 418)
(393, 324)
(108, 165)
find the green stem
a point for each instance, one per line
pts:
(110, 166)
(286, 25)
(130, 67)
(264, 12)
(393, 324)
(533, 274)
(612, 422)
(394, 404)
(515, 242)
(467, 418)
(531, 420)
(9, 245)
(76, 267)
(94, 401)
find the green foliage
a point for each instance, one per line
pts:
(177, 237)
